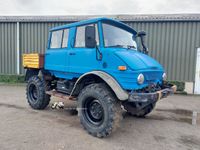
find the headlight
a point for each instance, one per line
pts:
(140, 79)
(164, 76)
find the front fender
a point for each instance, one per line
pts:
(111, 82)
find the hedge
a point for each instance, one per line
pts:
(180, 85)
(12, 78)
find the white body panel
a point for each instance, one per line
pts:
(197, 73)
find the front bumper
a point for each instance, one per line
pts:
(152, 97)
(143, 102)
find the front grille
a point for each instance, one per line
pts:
(150, 88)
(152, 76)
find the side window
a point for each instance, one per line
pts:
(56, 39)
(80, 35)
(97, 34)
(65, 38)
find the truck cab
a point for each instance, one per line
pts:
(101, 64)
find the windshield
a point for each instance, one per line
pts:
(117, 37)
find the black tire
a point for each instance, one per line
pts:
(35, 92)
(106, 115)
(145, 111)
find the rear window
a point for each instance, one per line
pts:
(65, 38)
(59, 39)
(56, 39)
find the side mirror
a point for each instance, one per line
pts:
(90, 36)
(141, 33)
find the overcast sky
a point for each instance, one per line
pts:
(97, 7)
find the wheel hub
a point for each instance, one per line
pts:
(96, 110)
(33, 92)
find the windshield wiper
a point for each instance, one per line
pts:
(121, 46)
(131, 46)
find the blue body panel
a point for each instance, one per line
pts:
(72, 62)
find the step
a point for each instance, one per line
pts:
(60, 95)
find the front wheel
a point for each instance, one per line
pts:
(99, 110)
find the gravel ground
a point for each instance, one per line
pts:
(167, 127)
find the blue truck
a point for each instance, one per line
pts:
(101, 63)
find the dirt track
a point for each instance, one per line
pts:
(166, 128)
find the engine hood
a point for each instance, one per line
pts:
(138, 61)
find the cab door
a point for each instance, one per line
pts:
(81, 58)
(57, 53)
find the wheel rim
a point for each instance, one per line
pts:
(33, 93)
(94, 112)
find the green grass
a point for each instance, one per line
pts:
(12, 78)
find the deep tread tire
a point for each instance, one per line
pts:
(42, 100)
(110, 104)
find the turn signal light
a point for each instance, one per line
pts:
(122, 68)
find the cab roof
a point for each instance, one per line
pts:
(95, 20)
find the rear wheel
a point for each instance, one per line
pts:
(35, 92)
(99, 110)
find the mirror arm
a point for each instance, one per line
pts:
(145, 50)
(98, 54)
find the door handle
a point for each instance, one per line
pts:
(72, 53)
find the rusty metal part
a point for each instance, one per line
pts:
(144, 97)
(60, 95)
(174, 88)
